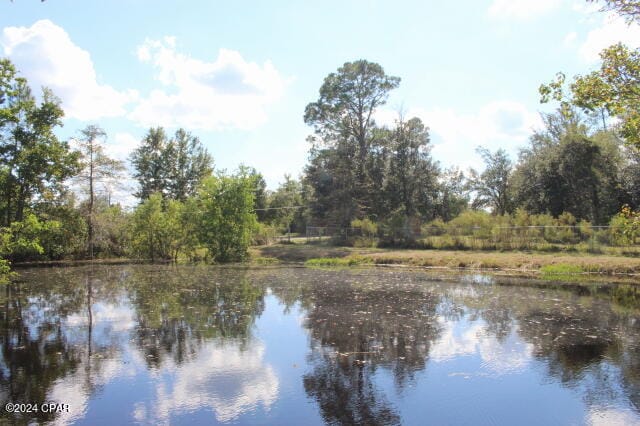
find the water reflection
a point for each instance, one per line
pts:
(228, 379)
(173, 345)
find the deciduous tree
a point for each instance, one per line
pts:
(492, 186)
(33, 162)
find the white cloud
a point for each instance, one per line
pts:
(521, 9)
(46, 56)
(570, 39)
(229, 92)
(498, 124)
(612, 30)
(124, 144)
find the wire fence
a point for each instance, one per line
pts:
(550, 238)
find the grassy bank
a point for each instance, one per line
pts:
(525, 262)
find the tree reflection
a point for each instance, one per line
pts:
(357, 326)
(177, 311)
(345, 392)
(37, 350)
(587, 336)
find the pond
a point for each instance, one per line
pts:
(283, 345)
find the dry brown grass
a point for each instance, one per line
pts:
(518, 261)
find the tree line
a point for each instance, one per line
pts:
(55, 200)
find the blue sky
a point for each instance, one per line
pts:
(239, 74)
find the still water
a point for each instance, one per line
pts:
(206, 345)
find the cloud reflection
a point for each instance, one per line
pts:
(222, 377)
(500, 356)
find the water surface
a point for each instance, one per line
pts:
(206, 345)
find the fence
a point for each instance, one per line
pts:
(547, 238)
(319, 233)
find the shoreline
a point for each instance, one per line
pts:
(593, 267)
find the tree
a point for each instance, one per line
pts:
(567, 169)
(33, 162)
(332, 181)
(227, 216)
(111, 228)
(96, 167)
(150, 161)
(342, 119)
(492, 186)
(259, 190)
(630, 177)
(285, 205)
(452, 194)
(157, 231)
(188, 162)
(411, 177)
(173, 168)
(347, 102)
(630, 9)
(614, 88)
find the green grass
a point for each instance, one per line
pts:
(562, 272)
(335, 261)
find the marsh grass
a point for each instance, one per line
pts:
(338, 262)
(562, 272)
(265, 260)
(520, 261)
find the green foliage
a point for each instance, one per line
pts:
(189, 163)
(263, 234)
(67, 238)
(410, 179)
(615, 87)
(481, 231)
(5, 265)
(347, 101)
(398, 229)
(24, 241)
(367, 226)
(111, 230)
(5, 271)
(625, 226)
(33, 163)
(492, 187)
(342, 168)
(285, 204)
(171, 167)
(452, 196)
(157, 233)
(227, 216)
(260, 192)
(565, 169)
(612, 90)
(368, 230)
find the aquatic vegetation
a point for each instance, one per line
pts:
(562, 272)
(336, 261)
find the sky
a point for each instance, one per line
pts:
(238, 74)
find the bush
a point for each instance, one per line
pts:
(625, 227)
(263, 234)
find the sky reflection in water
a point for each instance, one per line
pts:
(200, 345)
